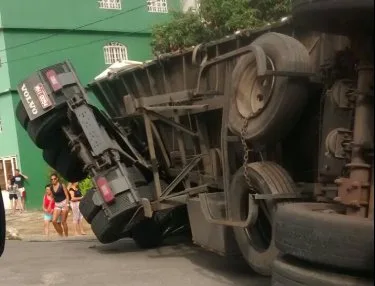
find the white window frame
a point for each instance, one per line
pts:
(157, 6)
(115, 52)
(110, 4)
(14, 166)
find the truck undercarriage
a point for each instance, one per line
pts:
(261, 141)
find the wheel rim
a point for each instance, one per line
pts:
(259, 234)
(253, 92)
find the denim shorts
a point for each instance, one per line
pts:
(48, 217)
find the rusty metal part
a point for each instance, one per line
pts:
(191, 192)
(172, 123)
(181, 176)
(177, 107)
(163, 150)
(182, 149)
(147, 208)
(335, 142)
(362, 136)
(371, 201)
(341, 93)
(297, 195)
(353, 194)
(250, 220)
(151, 149)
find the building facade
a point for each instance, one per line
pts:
(91, 34)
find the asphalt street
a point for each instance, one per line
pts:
(122, 263)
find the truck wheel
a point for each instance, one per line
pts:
(105, 231)
(46, 131)
(136, 176)
(2, 225)
(87, 206)
(147, 233)
(21, 115)
(316, 232)
(288, 271)
(274, 104)
(256, 242)
(67, 164)
(336, 17)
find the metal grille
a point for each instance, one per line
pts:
(115, 52)
(122, 204)
(110, 4)
(157, 6)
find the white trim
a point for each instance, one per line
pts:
(4, 170)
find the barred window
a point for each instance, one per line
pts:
(110, 4)
(115, 52)
(157, 6)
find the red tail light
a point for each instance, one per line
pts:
(105, 190)
(52, 77)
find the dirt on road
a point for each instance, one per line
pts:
(29, 226)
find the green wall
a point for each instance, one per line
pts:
(69, 14)
(4, 74)
(83, 49)
(48, 25)
(32, 165)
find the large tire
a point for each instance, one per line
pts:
(136, 177)
(22, 116)
(87, 206)
(256, 243)
(2, 225)
(69, 166)
(336, 17)
(46, 131)
(287, 97)
(309, 232)
(105, 231)
(288, 271)
(147, 233)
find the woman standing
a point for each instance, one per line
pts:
(61, 197)
(75, 198)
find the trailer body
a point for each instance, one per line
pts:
(225, 133)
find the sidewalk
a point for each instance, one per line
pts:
(28, 226)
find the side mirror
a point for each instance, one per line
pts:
(2, 225)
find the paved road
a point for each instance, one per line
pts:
(90, 263)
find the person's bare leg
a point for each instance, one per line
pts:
(13, 203)
(46, 227)
(75, 227)
(64, 216)
(82, 231)
(21, 205)
(58, 228)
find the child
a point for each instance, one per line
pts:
(48, 206)
(12, 190)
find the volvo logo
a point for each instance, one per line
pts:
(29, 100)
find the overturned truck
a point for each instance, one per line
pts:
(260, 142)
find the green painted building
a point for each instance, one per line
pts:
(91, 34)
